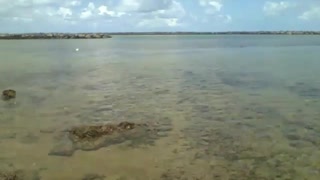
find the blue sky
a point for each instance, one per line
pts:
(157, 15)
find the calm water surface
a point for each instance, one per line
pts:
(229, 107)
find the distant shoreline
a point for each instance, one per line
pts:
(109, 35)
(55, 36)
(222, 33)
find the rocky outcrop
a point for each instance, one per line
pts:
(18, 175)
(94, 137)
(8, 94)
(87, 133)
(56, 36)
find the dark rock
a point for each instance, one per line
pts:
(16, 175)
(93, 132)
(94, 137)
(8, 94)
(19, 175)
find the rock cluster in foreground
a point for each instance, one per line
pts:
(94, 137)
(18, 175)
(55, 36)
(8, 94)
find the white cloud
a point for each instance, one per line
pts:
(143, 5)
(73, 3)
(37, 1)
(313, 13)
(159, 22)
(126, 14)
(64, 12)
(103, 10)
(212, 6)
(28, 10)
(175, 10)
(274, 8)
(213, 9)
(169, 17)
(91, 6)
(92, 12)
(87, 12)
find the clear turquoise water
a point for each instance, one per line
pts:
(239, 107)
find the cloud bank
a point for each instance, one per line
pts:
(149, 15)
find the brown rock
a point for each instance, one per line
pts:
(94, 137)
(94, 132)
(8, 94)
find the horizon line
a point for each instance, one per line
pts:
(255, 31)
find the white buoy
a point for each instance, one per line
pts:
(77, 49)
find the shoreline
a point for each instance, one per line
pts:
(222, 33)
(91, 35)
(54, 36)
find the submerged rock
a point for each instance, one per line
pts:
(11, 175)
(94, 137)
(8, 94)
(85, 133)
(19, 175)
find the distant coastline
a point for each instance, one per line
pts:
(55, 36)
(222, 33)
(109, 35)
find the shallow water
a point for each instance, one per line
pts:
(230, 107)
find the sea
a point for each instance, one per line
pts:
(218, 107)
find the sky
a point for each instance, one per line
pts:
(22, 16)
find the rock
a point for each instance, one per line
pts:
(11, 175)
(19, 175)
(94, 137)
(93, 132)
(126, 125)
(8, 94)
